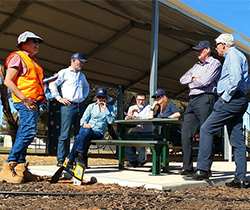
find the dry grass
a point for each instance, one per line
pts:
(51, 160)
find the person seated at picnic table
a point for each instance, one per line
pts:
(139, 111)
(163, 108)
(93, 125)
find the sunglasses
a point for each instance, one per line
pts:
(101, 97)
(217, 44)
(35, 41)
(156, 97)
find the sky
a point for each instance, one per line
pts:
(233, 13)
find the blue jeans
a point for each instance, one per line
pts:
(70, 115)
(82, 141)
(25, 134)
(141, 150)
(229, 114)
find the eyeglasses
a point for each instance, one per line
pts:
(156, 97)
(216, 45)
(101, 97)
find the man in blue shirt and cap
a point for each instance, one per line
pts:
(74, 90)
(93, 125)
(228, 110)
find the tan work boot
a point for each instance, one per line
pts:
(23, 171)
(8, 173)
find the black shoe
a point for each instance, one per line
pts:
(236, 183)
(59, 163)
(70, 164)
(186, 172)
(132, 164)
(198, 175)
(141, 164)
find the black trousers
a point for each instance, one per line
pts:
(196, 113)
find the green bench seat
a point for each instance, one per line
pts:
(157, 147)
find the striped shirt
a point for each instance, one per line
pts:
(208, 73)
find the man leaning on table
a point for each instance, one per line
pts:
(228, 110)
(139, 111)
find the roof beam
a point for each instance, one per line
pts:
(145, 76)
(174, 32)
(177, 57)
(20, 9)
(109, 41)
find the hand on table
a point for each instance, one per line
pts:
(130, 115)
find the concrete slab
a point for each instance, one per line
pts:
(135, 177)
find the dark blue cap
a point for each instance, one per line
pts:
(79, 56)
(202, 45)
(159, 93)
(101, 92)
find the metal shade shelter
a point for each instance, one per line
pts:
(115, 37)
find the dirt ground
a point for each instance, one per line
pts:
(65, 195)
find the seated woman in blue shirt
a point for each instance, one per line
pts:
(93, 125)
(163, 108)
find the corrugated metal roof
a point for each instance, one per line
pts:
(115, 36)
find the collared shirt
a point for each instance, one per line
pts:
(74, 86)
(234, 75)
(208, 73)
(142, 114)
(168, 111)
(97, 119)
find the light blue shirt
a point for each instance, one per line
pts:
(74, 86)
(97, 119)
(234, 74)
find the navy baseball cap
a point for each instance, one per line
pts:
(101, 92)
(202, 45)
(79, 56)
(159, 93)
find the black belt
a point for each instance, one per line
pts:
(237, 91)
(195, 96)
(78, 104)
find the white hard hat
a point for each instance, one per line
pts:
(25, 35)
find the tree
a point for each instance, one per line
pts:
(5, 127)
(12, 121)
